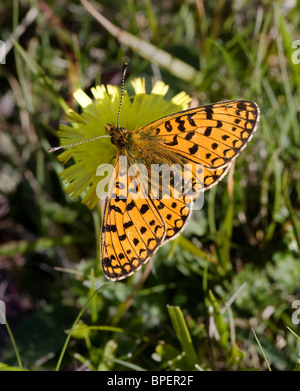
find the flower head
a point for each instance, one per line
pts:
(137, 110)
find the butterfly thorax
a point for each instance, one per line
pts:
(133, 144)
(143, 147)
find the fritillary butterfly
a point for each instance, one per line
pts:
(134, 228)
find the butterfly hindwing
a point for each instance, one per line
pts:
(132, 229)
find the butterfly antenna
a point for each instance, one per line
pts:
(53, 149)
(122, 91)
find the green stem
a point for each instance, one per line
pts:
(14, 345)
(74, 325)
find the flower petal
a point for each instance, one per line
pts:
(82, 98)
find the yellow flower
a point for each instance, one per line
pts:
(136, 111)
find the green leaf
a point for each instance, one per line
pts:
(262, 351)
(5, 367)
(109, 354)
(183, 334)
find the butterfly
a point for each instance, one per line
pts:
(135, 227)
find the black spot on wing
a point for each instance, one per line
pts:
(180, 122)
(173, 142)
(194, 149)
(190, 135)
(144, 209)
(241, 106)
(209, 111)
(130, 205)
(115, 208)
(168, 126)
(190, 119)
(208, 131)
(128, 225)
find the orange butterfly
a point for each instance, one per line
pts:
(135, 227)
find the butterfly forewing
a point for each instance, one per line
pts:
(175, 213)
(212, 135)
(213, 177)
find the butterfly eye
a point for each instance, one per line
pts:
(123, 130)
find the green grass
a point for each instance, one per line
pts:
(220, 296)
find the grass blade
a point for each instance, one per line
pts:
(262, 351)
(183, 334)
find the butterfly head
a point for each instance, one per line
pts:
(120, 137)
